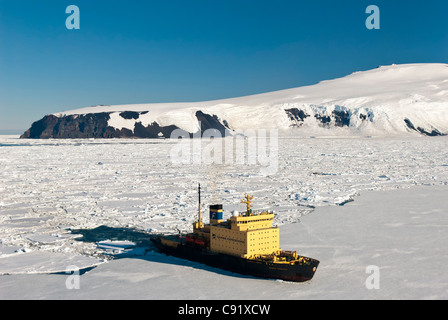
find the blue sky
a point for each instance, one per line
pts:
(192, 50)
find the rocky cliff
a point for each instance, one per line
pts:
(96, 125)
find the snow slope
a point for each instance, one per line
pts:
(394, 99)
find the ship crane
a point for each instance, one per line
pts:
(248, 202)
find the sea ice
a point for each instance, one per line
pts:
(51, 187)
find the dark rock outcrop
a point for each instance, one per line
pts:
(92, 125)
(432, 133)
(296, 115)
(340, 118)
(95, 125)
(212, 122)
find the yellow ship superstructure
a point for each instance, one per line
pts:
(248, 235)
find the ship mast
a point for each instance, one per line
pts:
(199, 209)
(248, 202)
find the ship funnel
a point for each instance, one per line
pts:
(215, 213)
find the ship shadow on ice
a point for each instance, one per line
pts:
(105, 233)
(142, 248)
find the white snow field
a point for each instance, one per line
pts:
(384, 97)
(349, 202)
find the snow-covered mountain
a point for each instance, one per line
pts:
(389, 100)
